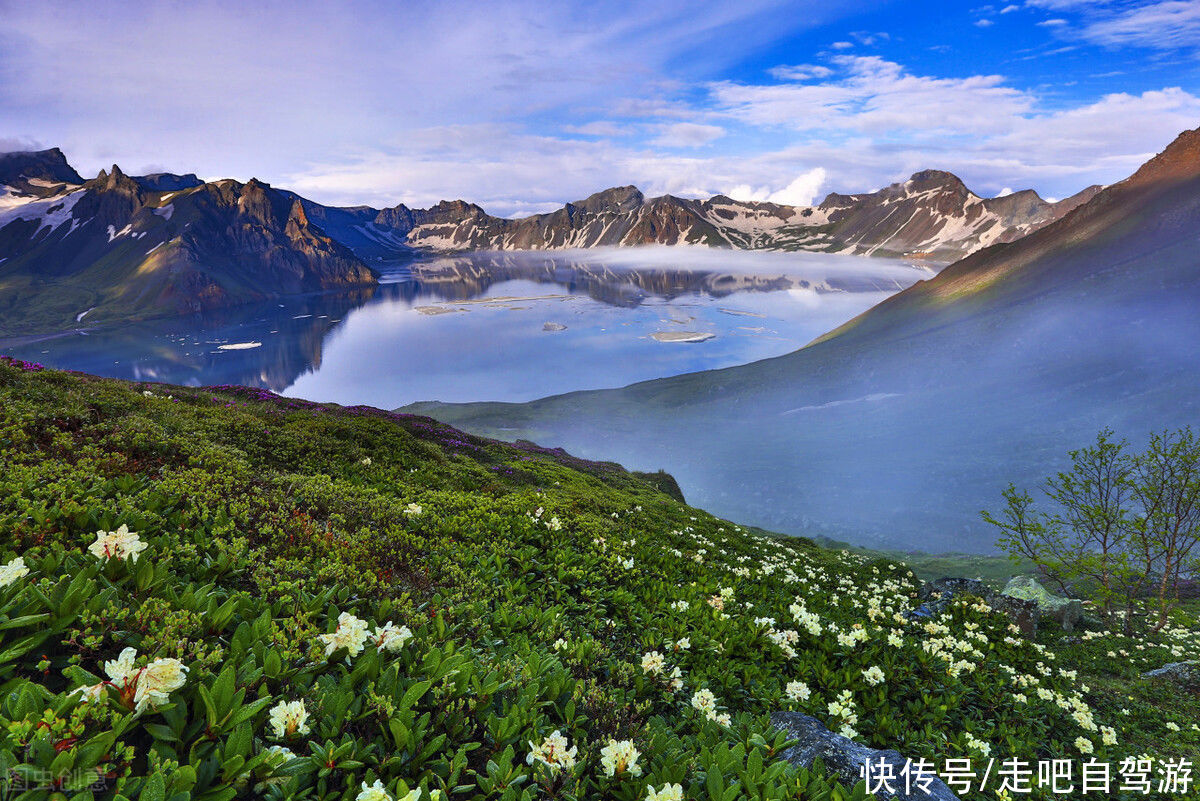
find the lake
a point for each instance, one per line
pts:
(500, 326)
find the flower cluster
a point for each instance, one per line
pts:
(119, 544)
(12, 571)
(620, 757)
(288, 718)
(139, 688)
(555, 752)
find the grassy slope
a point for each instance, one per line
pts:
(265, 521)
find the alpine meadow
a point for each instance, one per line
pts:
(463, 401)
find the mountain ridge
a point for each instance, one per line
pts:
(133, 246)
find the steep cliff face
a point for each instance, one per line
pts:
(127, 247)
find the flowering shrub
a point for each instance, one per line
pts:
(284, 624)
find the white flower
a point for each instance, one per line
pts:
(366, 461)
(375, 792)
(620, 757)
(1084, 745)
(798, 691)
(351, 634)
(122, 667)
(157, 681)
(413, 509)
(683, 644)
(873, 675)
(669, 792)
(140, 687)
(13, 571)
(979, 745)
(627, 563)
(1172, 725)
(1108, 735)
(704, 700)
(119, 544)
(720, 717)
(389, 637)
(288, 718)
(653, 663)
(554, 753)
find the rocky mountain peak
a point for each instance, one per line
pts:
(936, 179)
(619, 199)
(43, 165)
(1178, 162)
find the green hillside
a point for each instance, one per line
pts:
(321, 598)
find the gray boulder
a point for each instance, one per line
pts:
(937, 595)
(1067, 611)
(1184, 674)
(845, 759)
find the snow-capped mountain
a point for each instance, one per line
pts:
(932, 215)
(125, 246)
(118, 246)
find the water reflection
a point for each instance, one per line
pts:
(496, 326)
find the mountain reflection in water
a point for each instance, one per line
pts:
(511, 326)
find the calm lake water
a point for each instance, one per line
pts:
(509, 327)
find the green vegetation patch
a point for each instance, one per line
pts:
(222, 593)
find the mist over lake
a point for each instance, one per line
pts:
(506, 327)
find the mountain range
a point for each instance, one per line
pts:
(120, 247)
(898, 427)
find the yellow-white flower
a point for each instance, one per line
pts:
(157, 681)
(122, 667)
(288, 718)
(653, 663)
(373, 792)
(704, 700)
(119, 544)
(389, 637)
(669, 792)
(12, 571)
(620, 757)
(413, 509)
(873, 675)
(555, 752)
(1084, 745)
(798, 691)
(351, 634)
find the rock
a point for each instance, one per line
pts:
(1067, 611)
(938, 595)
(845, 759)
(1184, 674)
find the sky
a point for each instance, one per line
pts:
(522, 106)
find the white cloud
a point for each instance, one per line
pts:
(1155, 25)
(600, 128)
(984, 23)
(799, 72)
(1165, 25)
(1009, 9)
(800, 192)
(686, 134)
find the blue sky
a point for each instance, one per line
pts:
(521, 106)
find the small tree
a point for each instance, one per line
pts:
(1118, 522)
(1167, 489)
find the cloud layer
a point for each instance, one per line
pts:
(522, 106)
